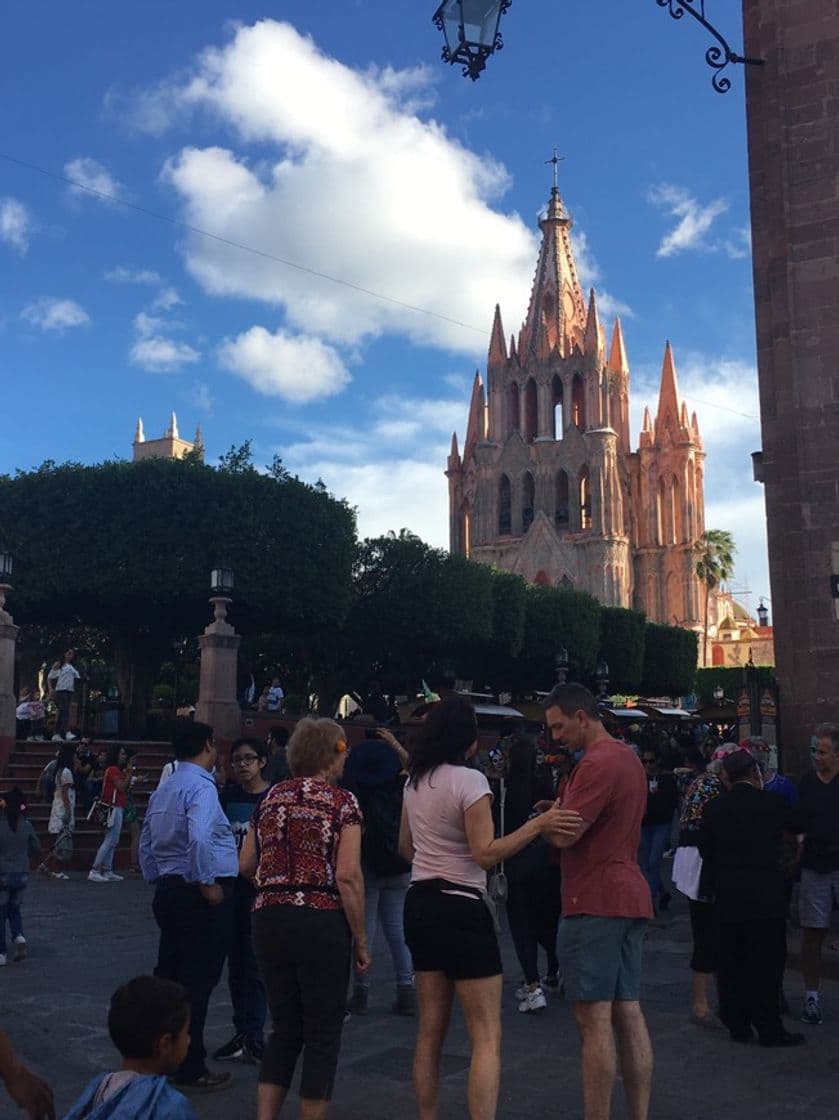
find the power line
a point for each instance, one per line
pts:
(179, 224)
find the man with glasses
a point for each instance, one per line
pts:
(188, 852)
(239, 799)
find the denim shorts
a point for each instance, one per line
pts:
(818, 894)
(600, 958)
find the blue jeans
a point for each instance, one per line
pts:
(654, 840)
(247, 990)
(105, 856)
(12, 886)
(384, 905)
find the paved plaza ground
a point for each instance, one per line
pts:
(86, 938)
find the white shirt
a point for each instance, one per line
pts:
(65, 677)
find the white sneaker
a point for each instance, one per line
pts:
(19, 948)
(111, 877)
(2, 959)
(534, 1001)
(521, 991)
(96, 877)
(57, 739)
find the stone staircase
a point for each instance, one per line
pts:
(24, 768)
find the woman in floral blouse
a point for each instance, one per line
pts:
(303, 853)
(687, 875)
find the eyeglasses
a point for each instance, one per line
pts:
(245, 759)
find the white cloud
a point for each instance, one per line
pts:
(15, 224)
(51, 314)
(360, 187)
(165, 300)
(91, 177)
(390, 468)
(200, 397)
(295, 367)
(694, 220)
(123, 275)
(161, 355)
(147, 325)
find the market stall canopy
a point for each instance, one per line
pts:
(654, 711)
(624, 713)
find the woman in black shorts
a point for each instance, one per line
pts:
(447, 834)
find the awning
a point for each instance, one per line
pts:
(624, 713)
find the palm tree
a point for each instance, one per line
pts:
(714, 554)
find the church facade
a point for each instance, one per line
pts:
(547, 484)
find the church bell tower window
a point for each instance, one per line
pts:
(505, 505)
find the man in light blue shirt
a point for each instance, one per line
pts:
(188, 852)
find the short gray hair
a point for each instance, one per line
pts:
(829, 731)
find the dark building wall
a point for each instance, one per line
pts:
(793, 121)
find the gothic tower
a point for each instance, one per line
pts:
(546, 484)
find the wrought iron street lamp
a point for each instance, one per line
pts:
(718, 694)
(762, 614)
(561, 662)
(470, 28)
(471, 31)
(6, 566)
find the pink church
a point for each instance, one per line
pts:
(548, 486)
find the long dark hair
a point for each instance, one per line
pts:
(112, 753)
(65, 760)
(14, 805)
(446, 734)
(521, 781)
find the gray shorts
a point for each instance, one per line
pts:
(600, 958)
(818, 894)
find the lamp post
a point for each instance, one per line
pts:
(719, 695)
(219, 644)
(470, 29)
(8, 642)
(601, 675)
(561, 665)
(762, 613)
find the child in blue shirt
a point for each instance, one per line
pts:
(148, 1023)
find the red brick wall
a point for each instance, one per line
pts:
(793, 121)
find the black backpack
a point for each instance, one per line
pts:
(382, 809)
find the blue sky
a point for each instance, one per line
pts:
(331, 136)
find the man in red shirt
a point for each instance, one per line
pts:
(606, 904)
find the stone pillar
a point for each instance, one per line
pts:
(8, 644)
(793, 130)
(217, 702)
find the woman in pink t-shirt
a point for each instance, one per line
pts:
(448, 836)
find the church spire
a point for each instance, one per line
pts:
(172, 431)
(140, 435)
(618, 362)
(556, 300)
(497, 345)
(592, 333)
(668, 394)
(475, 426)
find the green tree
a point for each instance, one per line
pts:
(714, 556)
(622, 635)
(128, 547)
(559, 617)
(670, 654)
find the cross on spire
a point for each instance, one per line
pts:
(556, 160)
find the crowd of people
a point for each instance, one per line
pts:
(289, 869)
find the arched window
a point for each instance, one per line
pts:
(585, 499)
(556, 399)
(505, 506)
(678, 519)
(541, 579)
(661, 513)
(561, 516)
(690, 503)
(513, 407)
(467, 530)
(531, 411)
(578, 402)
(528, 501)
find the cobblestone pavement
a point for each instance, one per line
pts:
(86, 938)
